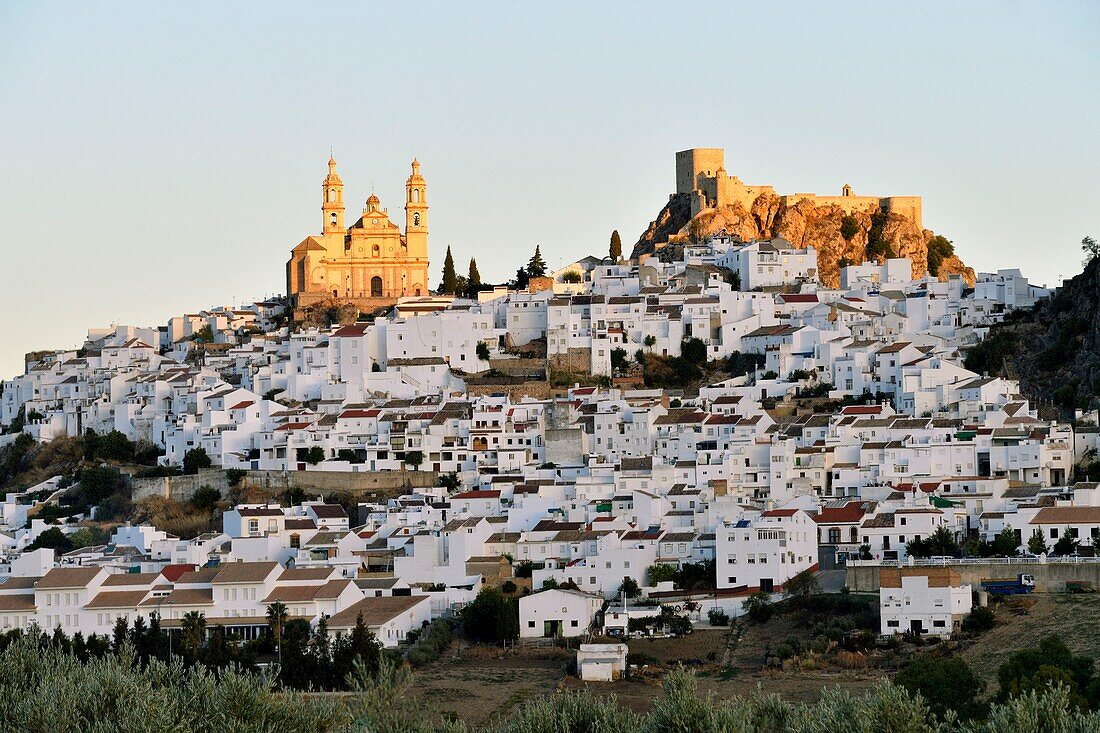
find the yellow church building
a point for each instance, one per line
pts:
(371, 263)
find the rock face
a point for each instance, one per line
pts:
(804, 224)
(1053, 349)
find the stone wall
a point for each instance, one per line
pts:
(574, 360)
(367, 484)
(519, 367)
(180, 488)
(539, 390)
(1050, 576)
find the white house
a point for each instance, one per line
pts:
(390, 618)
(557, 612)
(922, 600)
(765, 552)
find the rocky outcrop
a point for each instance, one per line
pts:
(804, 224)
(325, 313)
(1053, 349)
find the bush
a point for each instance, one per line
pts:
(694, 351)
(947, 683)
(940, 248)
(849, 227)
(432, 643)
(661, 573)
(115, 446)
(980, 619)
(718, 617)
(669, 372)
(482, 351)
(205, 498)
(759, 607)
(491, 617)
(195, 460)
(234, 476)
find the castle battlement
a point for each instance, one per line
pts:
(701, 174)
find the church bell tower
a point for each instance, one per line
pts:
(416, 213)
(333, 206)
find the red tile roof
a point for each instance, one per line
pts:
(479, 494)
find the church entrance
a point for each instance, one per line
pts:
(376, 287)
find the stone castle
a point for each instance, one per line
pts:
(701, 175)
(369, 264)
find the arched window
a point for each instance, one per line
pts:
(416, 219)
(376, 286)
(376, 251)
(416, 195)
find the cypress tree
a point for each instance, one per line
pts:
(450, 280)
(473, 282)
(616, 247)
(536, 267)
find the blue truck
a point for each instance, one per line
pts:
(1019, 585)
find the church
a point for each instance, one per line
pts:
(371, 263)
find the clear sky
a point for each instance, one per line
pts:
(160, 157)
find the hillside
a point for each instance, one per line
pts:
(833, 234)
(1054, 349)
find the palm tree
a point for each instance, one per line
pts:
(193, 626)
(276, 620)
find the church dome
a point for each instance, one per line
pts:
(373, 200)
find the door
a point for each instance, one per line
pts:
(376, 287)
(766, 585)
(916, 627)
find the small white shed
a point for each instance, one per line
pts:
(601, 662)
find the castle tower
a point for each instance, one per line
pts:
(416, 213)
(333, 205)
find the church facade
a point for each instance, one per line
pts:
(371, 263)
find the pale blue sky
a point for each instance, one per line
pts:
(164, 157)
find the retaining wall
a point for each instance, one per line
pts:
(1050, 576)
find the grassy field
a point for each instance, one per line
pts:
(1021, 624)
(480, 684)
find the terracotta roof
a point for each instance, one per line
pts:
(68, 577)
(479, 494)
(117, 599)
(260, 512)
(375, 611)
(1067, 515)
(328, 511)
(296, 575)
(195, 577)
(129, 579)
(17, 602)
(183, 597)
(852, 511)
(244, 572)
